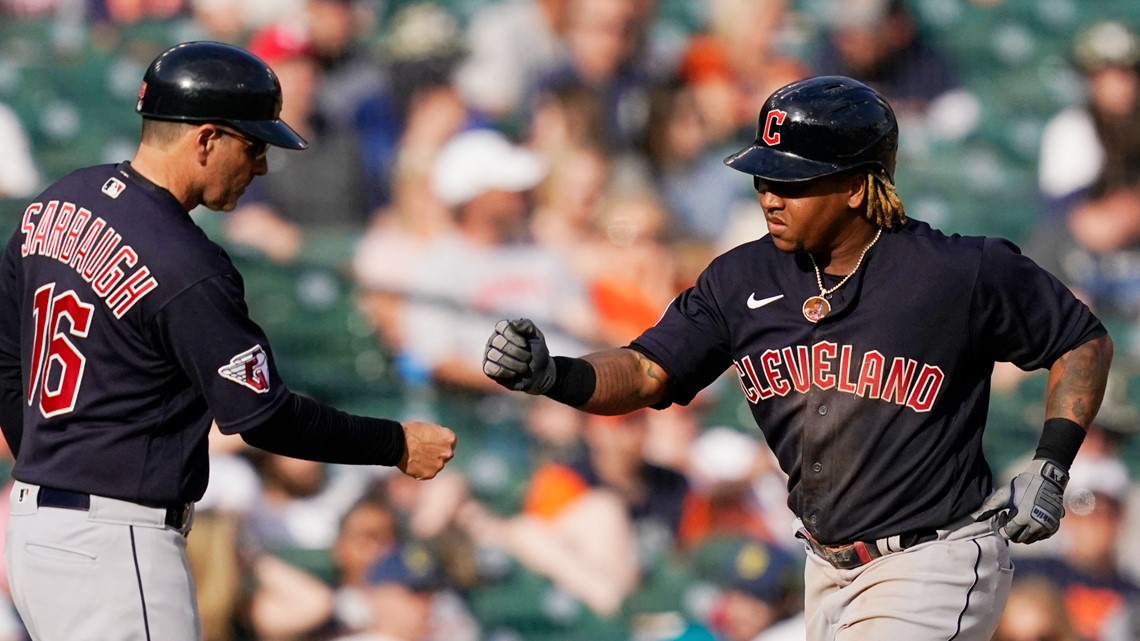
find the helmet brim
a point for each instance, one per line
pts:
(779, 166)
(274, 132)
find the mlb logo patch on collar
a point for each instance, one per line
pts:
(113, 187)
(249, 369)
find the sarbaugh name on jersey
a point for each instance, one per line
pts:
(87, 244)
(826, 365)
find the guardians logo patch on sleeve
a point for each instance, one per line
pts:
(250, 369)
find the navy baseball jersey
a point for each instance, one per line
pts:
(133, 335)
(875, 412)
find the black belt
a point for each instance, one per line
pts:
(848, 556)
(53, 497)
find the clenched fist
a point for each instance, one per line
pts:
(1036, 503)
(517, 358)
(428, 447)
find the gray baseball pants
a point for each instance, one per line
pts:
(113, 572)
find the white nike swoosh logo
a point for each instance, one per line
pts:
(757, 304)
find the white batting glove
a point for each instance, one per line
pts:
(517, 358)
(1036, 503)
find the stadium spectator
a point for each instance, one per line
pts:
(579, 538)
(482, 269)
(301, 504)
(638, 267)
(288, 534)
(614, 459)
(602, 60)
(368, 532)
(1090, 178)
(19, 175)
(685, 166)
(283, 211)
(613, 240)
(1095, 146)
(511, 46)
(761, 592)
(403, 590)
(737, 490)
(420, 106)
(1087, 570)
(235, 20)
(735, 63)
(879, 42)
(288, 602)
(350, 76)
(131, 11)
(218, 562)
(1034, 611)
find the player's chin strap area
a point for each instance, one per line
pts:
(848, 556)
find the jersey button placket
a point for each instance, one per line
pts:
(819, 433)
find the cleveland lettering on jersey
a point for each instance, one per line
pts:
(86, 243)
(826, 365)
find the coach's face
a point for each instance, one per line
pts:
(234, 161)
(810, 215)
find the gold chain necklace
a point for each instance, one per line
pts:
(816, 307)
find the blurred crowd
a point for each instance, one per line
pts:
(561, 160)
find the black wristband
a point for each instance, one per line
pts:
(574, 381)
(1060, 440)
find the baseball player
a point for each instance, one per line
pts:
(123, 333)
(863, 342)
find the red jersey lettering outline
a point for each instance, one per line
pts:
(827, 365)
(89, 245)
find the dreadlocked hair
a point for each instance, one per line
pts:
(884, 207)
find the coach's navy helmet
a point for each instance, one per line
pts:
(820, 126)
(216, 82)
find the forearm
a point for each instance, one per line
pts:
(1077, 381)
(626, 380)
(540, 550)
(288, 601)
(589, 549)
(306, 429)
(609, 382)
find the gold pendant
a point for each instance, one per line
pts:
(816, 308)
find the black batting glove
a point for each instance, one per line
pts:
(1036, 503)
(517, 358)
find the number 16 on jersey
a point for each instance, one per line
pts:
(52, 348)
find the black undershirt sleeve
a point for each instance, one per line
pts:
(12, 418)
(306, 429)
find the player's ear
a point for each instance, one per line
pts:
(856, 189)
(205, 138)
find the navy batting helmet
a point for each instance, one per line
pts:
(820, 126)
(216, 82)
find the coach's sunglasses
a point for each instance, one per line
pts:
(256, 148)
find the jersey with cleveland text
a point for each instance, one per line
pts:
(131, 334)
(876, 412)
